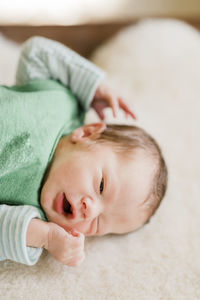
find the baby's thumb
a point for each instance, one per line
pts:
(76, 233)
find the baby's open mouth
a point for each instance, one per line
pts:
(67, 206)
(64, 207)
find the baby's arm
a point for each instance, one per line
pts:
(23, 235)
(14, 221)
(42, 58)
(65, 247)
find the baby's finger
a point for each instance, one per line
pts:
(75, 232)
(78, 237)
(114, 105)
(75, 252)
(74, 262)
(101, 114)
(126, 108)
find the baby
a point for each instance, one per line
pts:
(61, 180)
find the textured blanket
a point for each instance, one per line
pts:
(156, 66)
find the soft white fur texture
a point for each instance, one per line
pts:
(156, 66)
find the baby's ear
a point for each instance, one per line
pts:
(90, 131)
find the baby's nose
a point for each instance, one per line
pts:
(90, 208)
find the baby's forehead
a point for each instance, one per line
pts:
(137, 173)
(135, 157)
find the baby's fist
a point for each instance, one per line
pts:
(65, 247)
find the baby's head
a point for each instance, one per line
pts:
(104, 180)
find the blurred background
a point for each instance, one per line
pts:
(84, 24)
(70, 12)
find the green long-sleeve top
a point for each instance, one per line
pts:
(55, 88)
(33, 118)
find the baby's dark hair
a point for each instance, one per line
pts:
(126, 139)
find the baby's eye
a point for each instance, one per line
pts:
(101, 186)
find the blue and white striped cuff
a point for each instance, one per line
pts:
(14, 221)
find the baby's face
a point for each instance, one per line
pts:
(95, 190)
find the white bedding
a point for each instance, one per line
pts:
(156, 65)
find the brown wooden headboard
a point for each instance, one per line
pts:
(82, 38)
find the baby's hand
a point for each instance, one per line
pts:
(65, 247)
(105, 97)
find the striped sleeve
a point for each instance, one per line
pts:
(42, 58)
(14, 221)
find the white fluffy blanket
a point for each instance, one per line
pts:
(156, 65)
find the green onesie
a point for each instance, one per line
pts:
(33, 118)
